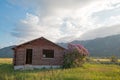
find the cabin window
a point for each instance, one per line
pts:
(48, 53)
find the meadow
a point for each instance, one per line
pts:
(89, 71)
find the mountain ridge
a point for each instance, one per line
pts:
(99, 47)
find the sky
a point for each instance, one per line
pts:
(57, 20)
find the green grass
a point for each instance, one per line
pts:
(87, 72)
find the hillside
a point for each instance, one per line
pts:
(6, 52)
(100, 47)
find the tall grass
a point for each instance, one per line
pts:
(87, 72)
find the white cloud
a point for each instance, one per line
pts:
(64, 20)
(101, 32)
(31, 28)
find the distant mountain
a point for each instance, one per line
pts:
(6, 52)
(100, 47)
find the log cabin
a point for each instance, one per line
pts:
(38, 53)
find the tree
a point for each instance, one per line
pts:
(113, 59)
(75, 56)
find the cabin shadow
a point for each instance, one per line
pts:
(6, 66)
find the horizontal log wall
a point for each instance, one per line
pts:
(37, 56)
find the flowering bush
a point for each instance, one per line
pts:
(75, 56)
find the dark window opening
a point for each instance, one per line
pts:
(48, 53)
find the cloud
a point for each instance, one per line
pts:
(64, 20)
(101, 32)
(31, 28)
(105, 15)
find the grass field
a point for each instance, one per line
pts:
(87, 72)
(104, 60)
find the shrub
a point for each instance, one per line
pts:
(89, 59)
(75, 56)
(113, 59)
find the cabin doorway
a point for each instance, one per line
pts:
(29, 56)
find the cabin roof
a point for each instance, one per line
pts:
(35, 40)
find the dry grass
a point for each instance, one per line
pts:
(6, 60)
(104, 60)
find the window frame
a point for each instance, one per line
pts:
(48, 53)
